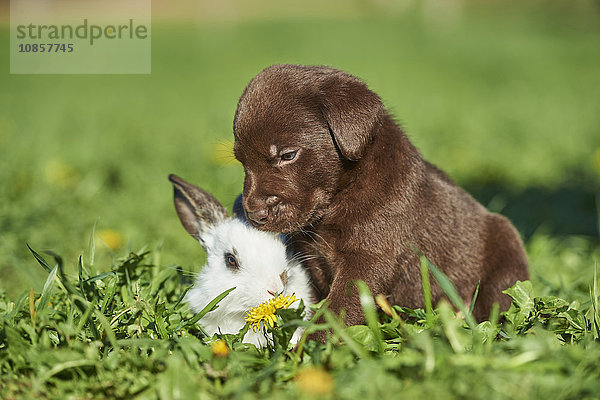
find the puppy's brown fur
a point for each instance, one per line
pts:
(326, 164)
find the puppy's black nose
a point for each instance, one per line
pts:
(258, 217)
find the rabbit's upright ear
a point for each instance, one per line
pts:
(197, 209)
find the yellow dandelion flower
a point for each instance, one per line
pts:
(280, 302)
(219, 348)
(597, 160)
(314, 381)
(112, 239)
(265, 312)
(61, 175)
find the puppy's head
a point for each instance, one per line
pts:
(297, 131)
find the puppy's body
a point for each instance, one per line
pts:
(393, 204)
(326, 164)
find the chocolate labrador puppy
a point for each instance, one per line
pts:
(327, 165)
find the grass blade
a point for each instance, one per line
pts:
(595, 306)
(209, 307)
(47, 290)
(80, 274)
(110, 334)
(86, 315)
(313, 327)
(32, 313)
(451, 292)
(109, 294)
(426, 290)
(159, 320)
(180, 299)
(474, 299)
(60, 367)
(598, 212)
(491, 335)
(370, 311)
(40, 259)
(100, 276)
(339, 330)
(92, 245)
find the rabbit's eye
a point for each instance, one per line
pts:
(231, 261)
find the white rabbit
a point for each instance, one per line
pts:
(252, 261)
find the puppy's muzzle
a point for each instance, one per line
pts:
(259, 217)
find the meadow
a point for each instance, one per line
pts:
(503, 97)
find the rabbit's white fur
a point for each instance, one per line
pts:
(262, 259)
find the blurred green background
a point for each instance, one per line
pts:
(503, 95)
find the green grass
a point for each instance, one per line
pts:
(506, 101)
(503, 98)
(125, 333)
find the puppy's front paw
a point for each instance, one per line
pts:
(320, 336)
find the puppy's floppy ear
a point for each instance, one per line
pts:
(352, 112)
(197, 209)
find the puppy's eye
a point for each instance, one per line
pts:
(289, 155)
(231, 261)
